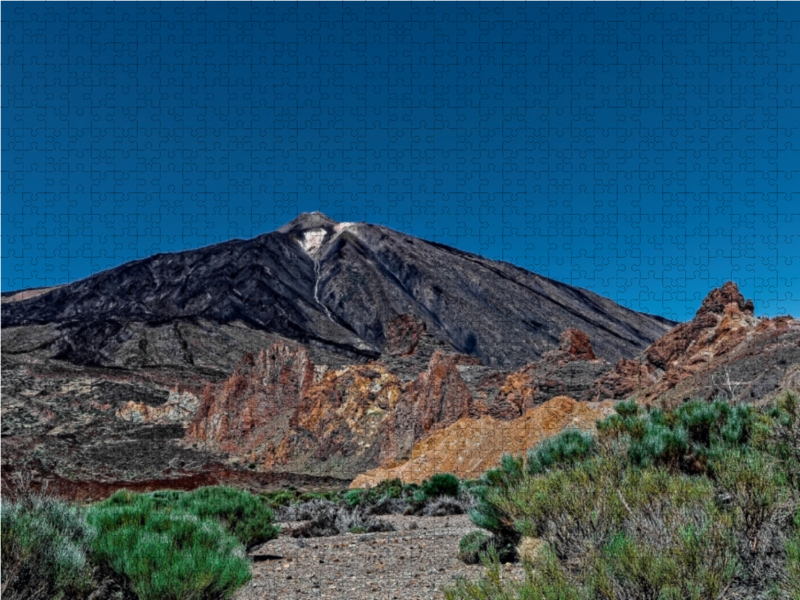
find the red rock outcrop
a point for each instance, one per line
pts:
(280, 412)
(274, 411)
(538, 382)
(253, 407)
(356, 417)
(697, 358)
(336, 423)
(575, 345)
(439, 396)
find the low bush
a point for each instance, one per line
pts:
(684, 439)
(568, 447)
(441, 484)
(247, 516)
(392, 496)
(388, 489)
(388, 506)
(280, 498)
(326, 518)
(472, 546)
(792, 582)
(781, 436)
(444, 506)
(698, 503)
(489, 514)
(46, 550)
(169, 555)
(157, 546)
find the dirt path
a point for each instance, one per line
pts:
(413, 563)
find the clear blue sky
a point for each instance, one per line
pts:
(646, 152)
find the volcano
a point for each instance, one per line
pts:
(334, 287)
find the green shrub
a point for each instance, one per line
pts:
(353, 497)
(693, 557)
(280, 498)
(169, 555)
(388, 488)
(694, 503)
(754, 484)
(46, 546)
(660, 445)
(547, 581)
(441, 484)
(782, 437)
(568, 447)
(472, 546)
(173, 544)
(419, 497)
(306, 496)
(490, 512)
(245, 515)
(684, 439)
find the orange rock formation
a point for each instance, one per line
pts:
(471, 446)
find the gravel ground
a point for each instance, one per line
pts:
(413, 563)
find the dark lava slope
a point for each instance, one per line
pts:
(332, 286)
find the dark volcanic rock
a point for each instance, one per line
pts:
(338, 288)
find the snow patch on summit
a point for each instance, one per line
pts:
(340, 227)
(311, 241)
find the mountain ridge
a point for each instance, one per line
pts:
(336, 286)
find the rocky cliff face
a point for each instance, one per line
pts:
(251, 410)
(334, 287)
(469, 447)
(723, 351)
(354, 418)
(297, 417)
(362, 417)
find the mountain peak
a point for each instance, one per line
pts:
(338, 286)
(306, 221)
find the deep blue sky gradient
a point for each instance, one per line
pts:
(646, 152)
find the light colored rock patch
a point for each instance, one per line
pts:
(180, 407)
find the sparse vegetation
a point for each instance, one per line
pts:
(156, 546)
(328, 518)
(442, 494)
(473, 545)
(441, 484)
(701, 502)
(46, 550)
